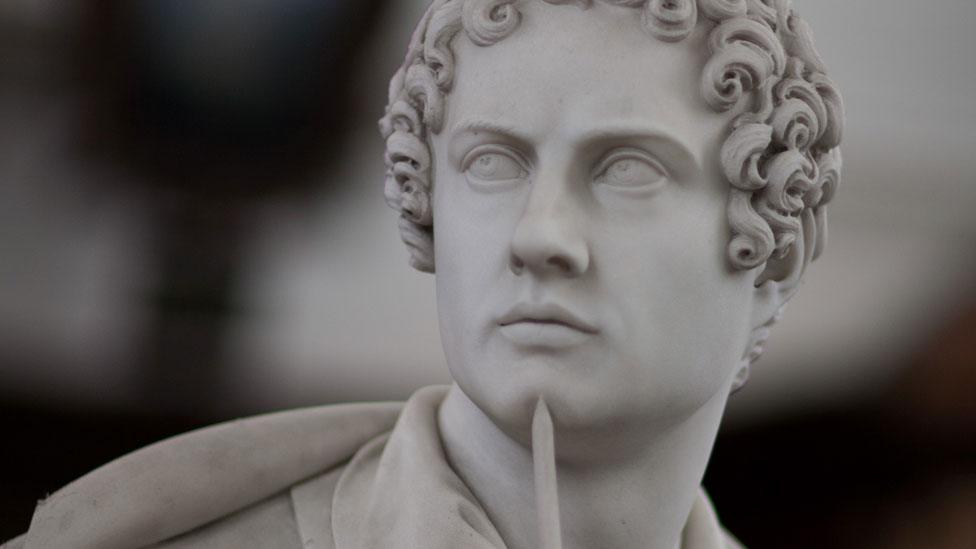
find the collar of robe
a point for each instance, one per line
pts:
(400, 491)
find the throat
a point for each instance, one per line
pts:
(537, 500)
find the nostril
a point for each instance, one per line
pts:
(560, 263)
(516, 264)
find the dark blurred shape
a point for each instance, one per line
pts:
(206, 109)
(899, 472)
(233, 74)
(934, 408)
(211, 106)
(223, 96)
(936, 402)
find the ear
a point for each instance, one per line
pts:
(777, 281)
(780, 277)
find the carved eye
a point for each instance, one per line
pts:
(631, 169)
(494, 164)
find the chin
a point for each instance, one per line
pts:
(588, 407)
(577, 404)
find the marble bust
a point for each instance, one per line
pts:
(626, 193)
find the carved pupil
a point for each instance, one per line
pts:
(495, 167)
(632, 172)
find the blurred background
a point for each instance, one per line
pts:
(192, 229)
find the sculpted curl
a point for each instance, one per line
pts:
(488, 21)
(670, 20)
(720, 10)
(780, 157)
(745, 54)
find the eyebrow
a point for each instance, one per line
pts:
(625, 131)
(483, 125)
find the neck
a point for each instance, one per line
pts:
(640, 501)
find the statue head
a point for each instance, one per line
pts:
(618, 197)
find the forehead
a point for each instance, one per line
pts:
(567, 71)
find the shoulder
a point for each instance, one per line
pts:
(198, 489)
(268, 523)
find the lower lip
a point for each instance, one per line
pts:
(543, 334)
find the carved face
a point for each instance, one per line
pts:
(580, 229)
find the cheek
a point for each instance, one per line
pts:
(684, 313)
(470, 255)
(452, 268)
(472, 233)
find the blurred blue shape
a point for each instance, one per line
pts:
(235, 65)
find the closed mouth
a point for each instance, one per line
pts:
(546, 314)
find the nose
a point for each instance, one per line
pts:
(548, 239)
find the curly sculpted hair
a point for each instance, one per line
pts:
(780, 157)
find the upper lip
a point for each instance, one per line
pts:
(546, 313)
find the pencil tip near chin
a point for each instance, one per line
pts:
(546, 492)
